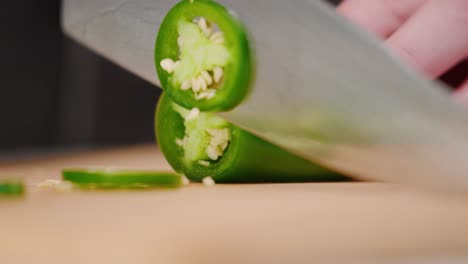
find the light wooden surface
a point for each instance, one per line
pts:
(282, 223)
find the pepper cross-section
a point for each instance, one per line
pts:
(202, 56)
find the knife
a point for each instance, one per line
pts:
(324, 88)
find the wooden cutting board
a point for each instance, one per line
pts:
(263, 223)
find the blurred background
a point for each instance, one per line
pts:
(57, 95)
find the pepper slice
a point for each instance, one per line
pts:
(200, 144)
(11, 188)
(119, 179)
(202, 56)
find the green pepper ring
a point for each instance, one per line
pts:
(113, 179)
(11, 188)
(172, 121)
(237, 73)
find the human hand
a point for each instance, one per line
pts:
(431, 35)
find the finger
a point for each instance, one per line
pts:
(381, 17)
(456, 75)
(435, 38)
(461, 94)
(464, 86)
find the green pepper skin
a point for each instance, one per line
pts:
(246, 159)
(237, 73)
(111, 179)
(11, 188)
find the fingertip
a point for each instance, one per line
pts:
(381, 17)
(367, 14)
(434, 39)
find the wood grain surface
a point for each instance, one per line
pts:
(263, 223)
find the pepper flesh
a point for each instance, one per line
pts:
(233, 54)
(247, 158)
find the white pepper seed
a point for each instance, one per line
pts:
(192, 114)
(203, 25)
(212, 152)
(217, 74)
(202, 82)
(207, 77)
(208, 181)
(187, 84)
(168, 65)
(180, 41)
(217, 37)
(196, 85)
(204, 163)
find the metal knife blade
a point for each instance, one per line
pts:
(323, 89)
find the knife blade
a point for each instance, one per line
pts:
(323, 89)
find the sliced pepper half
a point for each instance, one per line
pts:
(202, 56)
(201, 144)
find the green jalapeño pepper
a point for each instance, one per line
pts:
(201, 144)
(202, 56)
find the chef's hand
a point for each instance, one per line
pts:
(432, 35)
